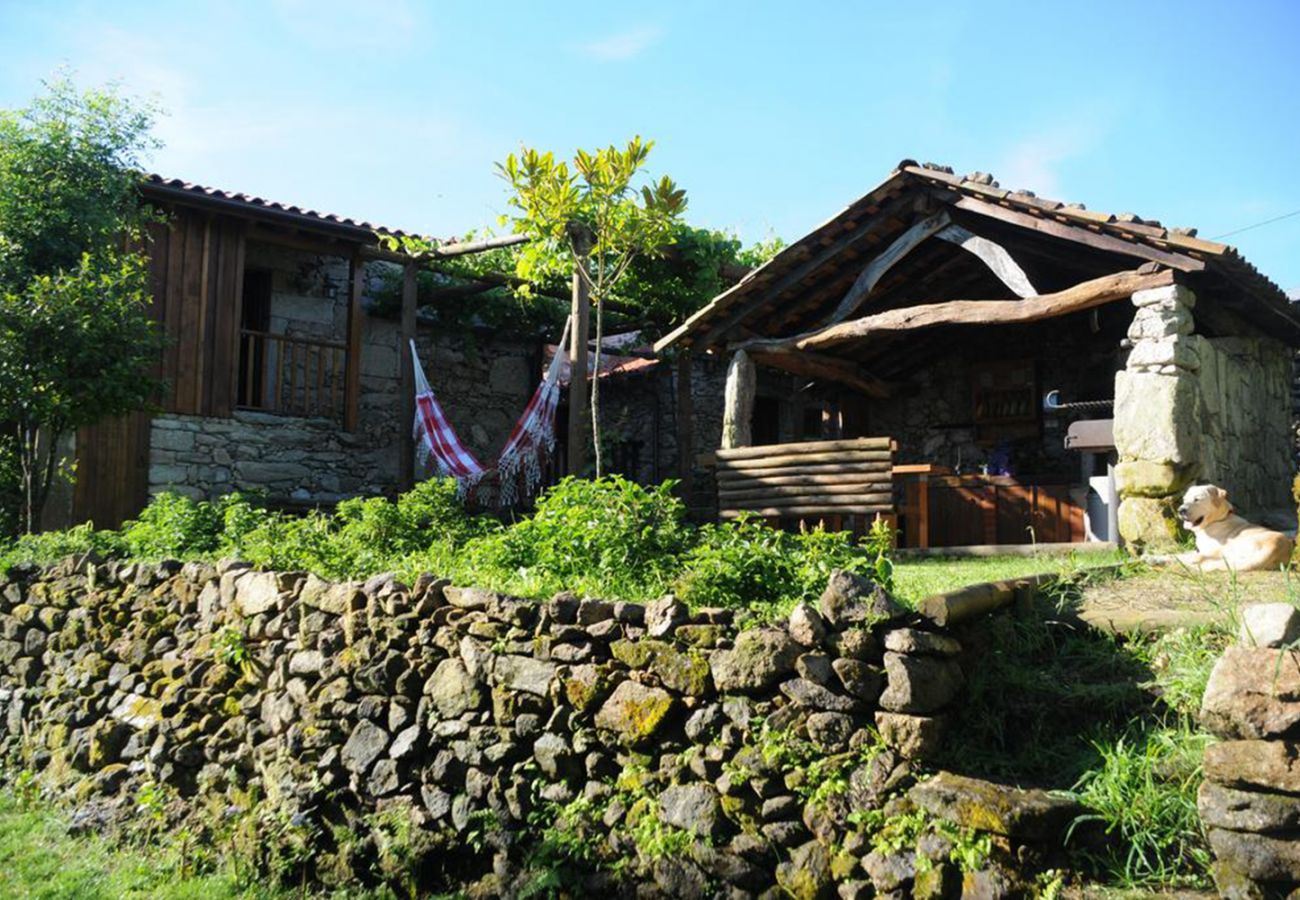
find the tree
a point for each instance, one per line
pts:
(77, 343)
(592, 220)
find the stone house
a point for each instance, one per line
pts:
(284, 375)
(939, 312)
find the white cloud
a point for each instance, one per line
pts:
(623, 45)
(1034, 161)
(347, 25)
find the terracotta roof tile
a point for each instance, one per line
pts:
(260, 203)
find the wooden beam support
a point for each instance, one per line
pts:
(804, 448)
(827, 368)
(738, 402)
(722, 304)
(444, 251)
(406, 377)
(1085, 295)
(864, 232)
(579, 412)
(1079, 234)
(993, 255)
(685, 419)
(356, 319)
(882, 263)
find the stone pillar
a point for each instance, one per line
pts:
(1157, 410)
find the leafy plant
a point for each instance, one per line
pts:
(1144, 793)
(592, 535)
(591, 220)
(77, 343)
(745, 563)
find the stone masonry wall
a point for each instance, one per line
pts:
(1246, 420)
(1250, 800)
(482, 380)
(449, 707)
(1190, 408)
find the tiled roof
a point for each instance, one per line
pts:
(1124, 225)
(309, 217)
(1124, 233)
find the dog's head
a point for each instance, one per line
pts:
(1203, 504)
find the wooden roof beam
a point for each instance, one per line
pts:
(1085, 295)
(883, 262)
(827, 368)
(719, 305)
(1079, 235)
(993, 255)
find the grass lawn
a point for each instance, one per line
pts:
(39, 859)
(915, 579)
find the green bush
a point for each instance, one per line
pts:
(173, 525)
(50, 546)
(607, 536)
(745, 563)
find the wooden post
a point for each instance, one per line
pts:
(579, 414)
(406, 455)
(738, 402)
(685, 422)
(356, 287)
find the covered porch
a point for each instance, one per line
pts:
(935, 315)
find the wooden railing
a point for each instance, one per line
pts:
(288, 375)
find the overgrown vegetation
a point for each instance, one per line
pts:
(608, 538)
(1055, 703)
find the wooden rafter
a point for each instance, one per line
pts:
(1085, 295)
(882, 263)
(1079, 235)
(865, 232)
(828, 368)
(993, 255)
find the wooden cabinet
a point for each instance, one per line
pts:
(940, 509)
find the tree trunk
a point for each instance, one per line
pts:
(579, 332)
(595, 389)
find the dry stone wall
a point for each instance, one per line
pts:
(467, 714)
(1250, 799)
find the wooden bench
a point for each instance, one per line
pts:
(841, 484)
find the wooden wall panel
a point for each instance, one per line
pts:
(199, 273)
(196, 275)
(112, 470)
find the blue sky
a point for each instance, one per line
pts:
(773, 116)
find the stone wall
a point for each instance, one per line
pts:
(288, 457)
(932, 415)
(1246, 420)
(642, 410)
(697, 750)
(1191, 408)
(1250, 800)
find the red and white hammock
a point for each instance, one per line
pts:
(530, 444)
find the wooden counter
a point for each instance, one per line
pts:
(940, 509)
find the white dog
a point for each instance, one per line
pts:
(1224, 540)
